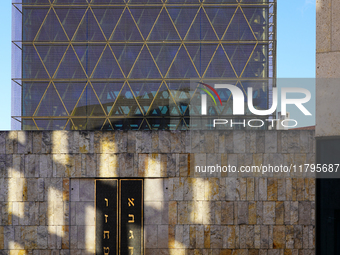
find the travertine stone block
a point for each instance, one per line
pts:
(214, 164)
(131, 141)
(126, 162)
(142, 164)
(107, 165)
(227, 212)
(311, 237)
(300, 189)
(152, 212)
(31, 165)
(260, 141)
(279, 237)
(121, 138)
(152, 164)
(304, 213)
(91, 165)
(63, 165)
(192, 236)
(201, 161)
(46, 142)
(250, 234)
(289, 189)
(304, 142)
(294, 189)
(270, 236)
(215, 236)
(31, 213)
(231, 189)
(221, 142)
(298, 237)
(207, 236)
(232, 161)
(82, 142)
(239, 142)
(272, 189)
(81, 237)
(176, 143)
(252, 213)
(210, 143)
(269, 213)
(264, 236)
(312, 213)
(262, 189)
(241, 188)
(270, 140)
(172, 213)
(183, 213)
(243, 236)
(25, 142)
(257, 237)
(207, 213)
(86, 190)
(218, 212)
(279, 213)
(183, 165)
(212, 189)
(250, 189)
(251, 142)
(36, 142)
(42, 237)
(259, 213)
(155, 142)
(237, 237)
(189, 189)
(242, 213)
(162, 236)
(290, 236)
(144, 142)
(3, 142)
(281, 189)
(108, 143)
(293, 142)
(60, 142)
(229, 142)
(179, 236)
(231, 236)
(305, 237)
(65, 243)
(199, 236)
(186, 236)
(32, 189)
(186, 141)
(11, 141)
(179, 188)
(171, 165)
(164, 142)
(294, 215)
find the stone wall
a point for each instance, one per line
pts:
(47, 191)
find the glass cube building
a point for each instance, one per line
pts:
(127, 64)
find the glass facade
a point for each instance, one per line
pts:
(127, 64)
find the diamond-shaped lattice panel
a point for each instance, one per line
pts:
(127, 64)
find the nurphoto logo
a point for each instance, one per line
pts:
(239, 99)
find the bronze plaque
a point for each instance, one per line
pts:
(119, 217)
(131, 217)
